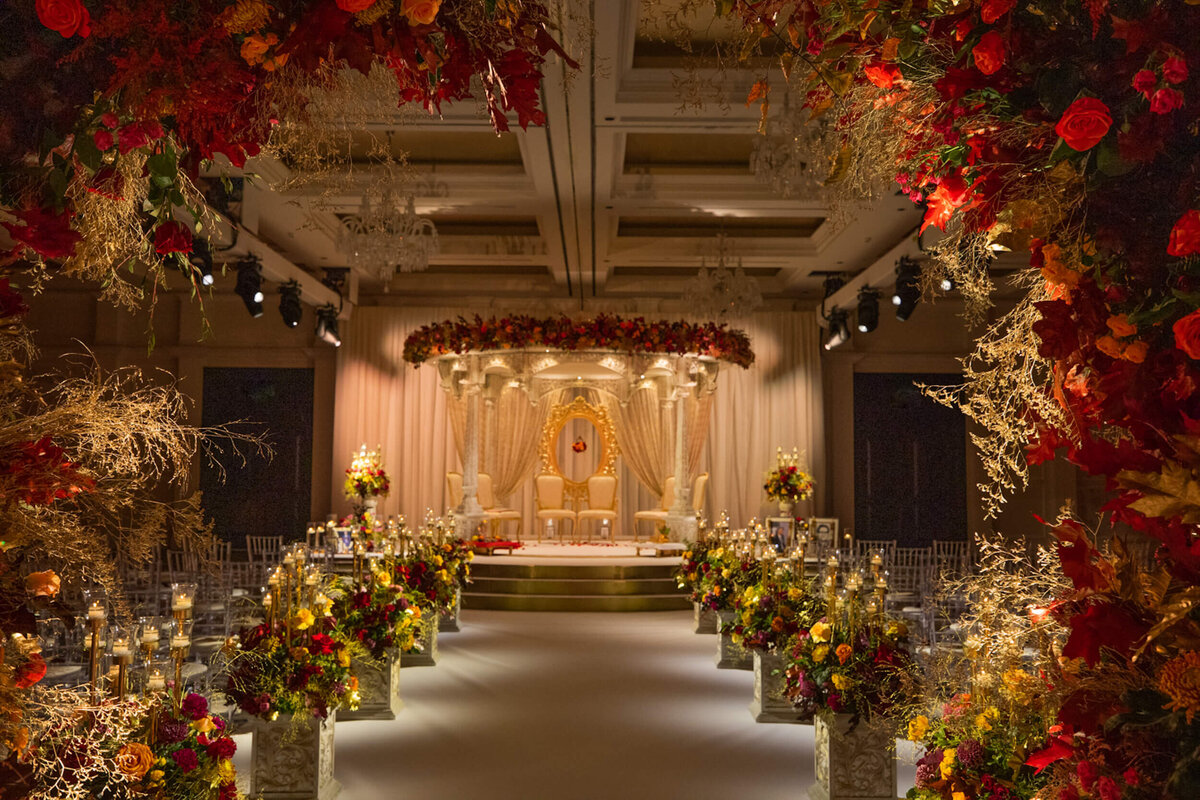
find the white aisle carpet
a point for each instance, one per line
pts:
(563, 706)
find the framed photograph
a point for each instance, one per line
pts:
(823, 529)
(782, 531)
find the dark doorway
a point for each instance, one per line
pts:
(264, 497)
(910, 480)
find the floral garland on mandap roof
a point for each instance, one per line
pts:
(602, 332)
(1069, 131)
(113, 107)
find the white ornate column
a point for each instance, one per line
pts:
(469, 514)
(681, 517)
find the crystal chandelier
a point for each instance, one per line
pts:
(387, 236)
(720, 292)
(792, 156)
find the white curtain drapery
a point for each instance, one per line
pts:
(775, 403)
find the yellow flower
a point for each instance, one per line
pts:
(947, 765)
(343, 658)
(383, 577)
(204, 725)
(736, 638)
(820, 632)
(225, 770)
(958, 796)
(155, 776)
(1180, 681)
(841, 682)
(897, 628)
(819, 652)
(304, 619)
(917, 728)
(794, 593)
(299, 653)
(437, 561)
(982, 723)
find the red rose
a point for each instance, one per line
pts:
(989, 53)
(44, 232)
(1175, 70)
(882, 75)
(1187, 335)
(131, 137)
(104, 140)
(67, 17)
(109, 120)
(354, 6)
(1166, 100)
(995, 9)
(1144, 81)
(1084, 123)
(1185, 236)
(172, 237)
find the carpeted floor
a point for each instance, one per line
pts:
(558, 706)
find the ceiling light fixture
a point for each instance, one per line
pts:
(839, 331)
(249, 285)
(907, 293)
(327, 325)
(387, 236)
(789, 154)
(868, 309)
(289, 303)
(720, 292)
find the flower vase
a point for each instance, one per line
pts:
(370, 503)
(770, 703)
(426, 641)
(852, 763)
(292, 759)
(448, 620)
(704, 620)
(378, 687)
(785, 508)
(730, 655)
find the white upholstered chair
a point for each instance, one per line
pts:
(602, 502)
(497, 516)
(551, 503)
(657, 516)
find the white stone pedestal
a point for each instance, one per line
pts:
(427, 639)
(293, 760)
(704, 620)
(730, 655)
(379, 688)
(448, 620)
(858, 764)
(770, 704)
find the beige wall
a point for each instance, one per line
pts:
(68, 319)
(933, 340)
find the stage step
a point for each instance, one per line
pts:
(560, 587)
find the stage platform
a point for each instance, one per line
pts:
(575, 577)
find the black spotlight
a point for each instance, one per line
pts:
(839, 331)
(289, 303)
(201, 261)
(249, 285)
(908, 288)
(327, 325)
(868, 309)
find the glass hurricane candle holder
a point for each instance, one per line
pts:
(183, 599)
(150, 635)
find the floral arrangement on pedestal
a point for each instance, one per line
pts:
(773, 612)
(602, 332)
(130, 749)
(724, 574)
(861, 669)
(435, 572)
(366, 477)
(300, 666)
(691, 567)
(122, 102)
(381, 615)
(788, 482)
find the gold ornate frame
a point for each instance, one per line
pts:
(559, 416)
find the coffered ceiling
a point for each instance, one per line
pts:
(618, 198)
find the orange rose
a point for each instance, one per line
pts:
(1109, 346)
(1187, 335)
(420, 12)
(43, 584)
(66, 17)
(255, 47)
(135, 759)
(1135, 352)
(1084, 123)
(1121, 326)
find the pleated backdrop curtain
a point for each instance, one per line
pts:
(383, 401)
